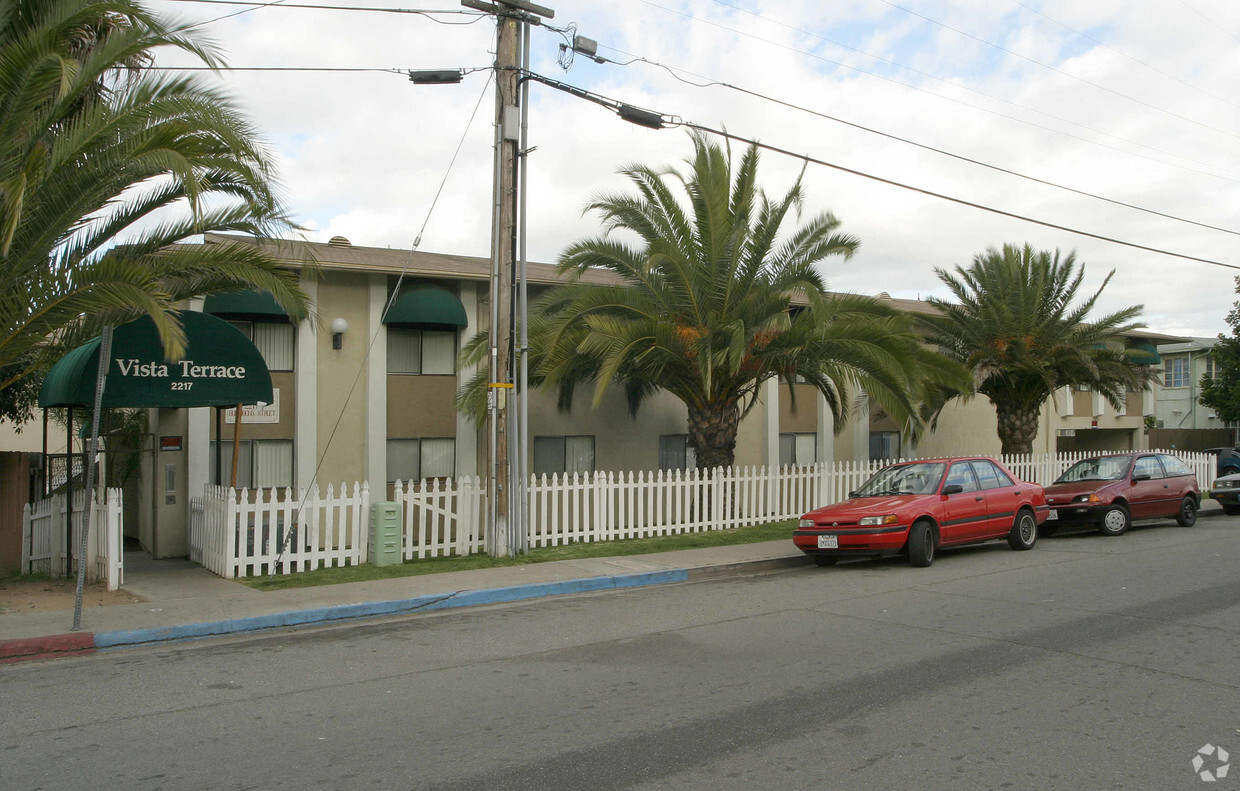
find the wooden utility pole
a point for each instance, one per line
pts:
(511, 17)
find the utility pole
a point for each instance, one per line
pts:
(512, 20)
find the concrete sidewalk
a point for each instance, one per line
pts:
(184, 601)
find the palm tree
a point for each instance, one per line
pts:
(1018, 325)
(712, 302)
(104, 167)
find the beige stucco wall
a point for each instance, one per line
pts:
(620, 442)
(30, 439)
(342, 295)
(803, 418)
(421, 406)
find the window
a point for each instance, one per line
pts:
(1174, 466)
(962, 474)
(675, 452)
(426, 352)
(798, 450)
(1177, 373)
(1148, 465)
(884, 444)
(276, 341)
(419, 459)
(986, 474)
(1209, 367)
(563, 455)
(261, 463)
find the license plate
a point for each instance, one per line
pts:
(1052, 515)
(828, 542)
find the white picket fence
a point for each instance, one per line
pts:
(243, 533)
(43, 537)
(236, 532)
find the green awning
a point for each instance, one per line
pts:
(221, 367)
(1143, 353)
(422, 305)
(245, 304)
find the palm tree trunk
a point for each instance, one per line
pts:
(712, 433)
(1017, 426)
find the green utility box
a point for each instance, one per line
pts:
(384, 547)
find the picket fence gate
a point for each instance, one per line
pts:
(238, 532)
(43, 537)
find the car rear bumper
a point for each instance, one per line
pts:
(853, 541)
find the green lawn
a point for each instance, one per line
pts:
(772, 531)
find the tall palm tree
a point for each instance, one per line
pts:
(104, 166)
(1019, 325)
(712, 301)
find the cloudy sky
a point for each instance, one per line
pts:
(1130, 100)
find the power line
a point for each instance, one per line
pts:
(660, 120)
(941, 151)
(961, 102)
(401, 72)
(1120, 52)
(233, 14)
(1210, 20)
(256, 5)
(1049, 67)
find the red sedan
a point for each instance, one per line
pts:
(919, 506)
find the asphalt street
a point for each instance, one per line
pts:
(1086, 663)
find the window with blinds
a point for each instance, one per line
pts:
(261, 463)
(275, 341)
(798, 449)
(411, 459)
(675, 452)
(563, 454)
(425, 352)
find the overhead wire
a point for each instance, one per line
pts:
(1057, 70)
(1209, 19)
(417, 241)
(1123, 54)
(429, 13)
(961, 102)
(676, 121)
(943, 152)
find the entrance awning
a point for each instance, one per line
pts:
(244, 304)
(423, 305)
(221, 367)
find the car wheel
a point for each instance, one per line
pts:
(1187, 517)
(1231, 510)
(1115, 520)
(824, 560)
(1024, 532)
(920, 544)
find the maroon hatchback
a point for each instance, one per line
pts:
(1108, 492)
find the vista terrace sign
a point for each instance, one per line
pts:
(221, 367)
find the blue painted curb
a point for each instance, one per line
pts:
(438, 601)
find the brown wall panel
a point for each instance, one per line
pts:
(421, 406)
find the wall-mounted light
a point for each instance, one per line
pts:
(339, 328)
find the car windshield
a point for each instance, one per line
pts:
(1102, 468)
(921, 478)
